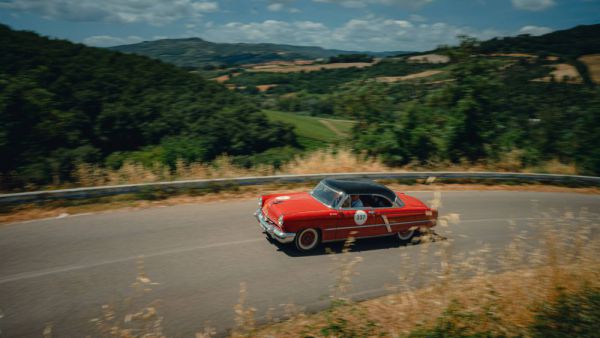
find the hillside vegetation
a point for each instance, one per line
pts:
(62, 104)
(510, 111)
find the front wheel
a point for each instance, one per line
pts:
(307, 239)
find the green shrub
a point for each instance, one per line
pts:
(571, 315)
(453, 323)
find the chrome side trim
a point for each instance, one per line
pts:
(272, 230)
(387, 223)
(378, 225)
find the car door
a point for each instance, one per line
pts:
(359, 222)
(402, 218)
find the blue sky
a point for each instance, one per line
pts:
(375, 25)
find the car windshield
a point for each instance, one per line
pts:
(326, 195)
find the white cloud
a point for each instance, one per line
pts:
(365, 3)
(156, 12)
(535, 30)
(275, 7)
(533, 5)
(109, 41)
(282, 5)
(370, 33)
(310, 25)
(205, 7)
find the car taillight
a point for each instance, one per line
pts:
(433, 213)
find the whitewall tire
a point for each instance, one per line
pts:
(406, 235)
(307, 239)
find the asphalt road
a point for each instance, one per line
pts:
(61, 271)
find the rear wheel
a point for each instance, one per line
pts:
(307, 239)
(406, 235)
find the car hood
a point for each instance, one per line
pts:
(290, 204)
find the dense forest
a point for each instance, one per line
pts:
(574, 42)
(350, 58)
(63, 103)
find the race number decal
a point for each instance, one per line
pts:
(360, 217)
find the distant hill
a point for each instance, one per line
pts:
(196, 52)
(573, 42)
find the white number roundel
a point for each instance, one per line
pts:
(360, 217)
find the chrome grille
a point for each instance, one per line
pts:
(266, 217)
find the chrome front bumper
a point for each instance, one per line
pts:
(273, 231)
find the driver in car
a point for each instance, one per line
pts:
(356, 202)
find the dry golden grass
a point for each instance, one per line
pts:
(429, 58)
(515, 55)
(392, 79)
(511, 162)
(224, 78)
(592, 62)
(221, 79)
(562, 72)
(265, 87)
(327, 161)
(132, 173)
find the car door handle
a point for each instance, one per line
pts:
(371, 212)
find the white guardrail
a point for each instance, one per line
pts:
(82, 193)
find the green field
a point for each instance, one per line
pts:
(314, 132)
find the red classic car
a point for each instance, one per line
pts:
(340, 208)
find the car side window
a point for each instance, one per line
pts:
(365, 201)
(346, 203)
(376, 201)
(382, 202)
(353, 202)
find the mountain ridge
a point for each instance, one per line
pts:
(197, 52)
(571, 42)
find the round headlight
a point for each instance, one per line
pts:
(260, 201)
(280, 221)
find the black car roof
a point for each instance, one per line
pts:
(359, 187)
